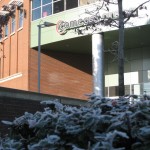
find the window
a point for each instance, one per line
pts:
(58, 6)
(6, 30)
(113, 91)
(1, 33)
(71, 4)
(13, 24)
(47, 10)
(0, 36)
(43, 8)
(36, 4)
(36, 14)
(21, 15)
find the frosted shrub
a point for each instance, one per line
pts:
(102, 124)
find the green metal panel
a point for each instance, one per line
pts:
(50, 34)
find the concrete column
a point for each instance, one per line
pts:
(98, 64)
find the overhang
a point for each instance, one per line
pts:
(134, 38)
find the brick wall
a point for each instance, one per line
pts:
(15, 50)
(13, 103)
(62, 73)
(12, 107)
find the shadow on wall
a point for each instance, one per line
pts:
(82, 62)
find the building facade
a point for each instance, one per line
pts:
(14, 44)
(66, 58)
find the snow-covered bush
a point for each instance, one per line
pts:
(103, 124)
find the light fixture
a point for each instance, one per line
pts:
(45, 24)
(48, 24)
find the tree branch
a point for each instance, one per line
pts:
(110, 2)
(125, 21)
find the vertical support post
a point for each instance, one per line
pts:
(98, 63)
(39, 58)
(121, 91)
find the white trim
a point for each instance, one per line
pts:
(20, 28)
(5, 38)
(16, 2)
(12, 33)
(3, 13)
(14, 76)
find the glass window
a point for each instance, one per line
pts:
(21, 15)
(47, 10)
(113, 91)
(13, 24)
(58, 6)
(106, 92)
(36, 14)
(71, 4)
(6, 30)
(146, 87)
(46, 2)
(0, 36)
(127, 89)
(36, 3)
(42, 8)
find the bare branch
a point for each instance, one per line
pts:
(99, 7)
(110, 2)
(125, 21)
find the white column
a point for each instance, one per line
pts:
(98, 64)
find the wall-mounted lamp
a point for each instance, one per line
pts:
(45, 24)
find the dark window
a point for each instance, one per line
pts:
(0, 37)
(58, 6)
(106, 92)
(71, 4)
(113, 91)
